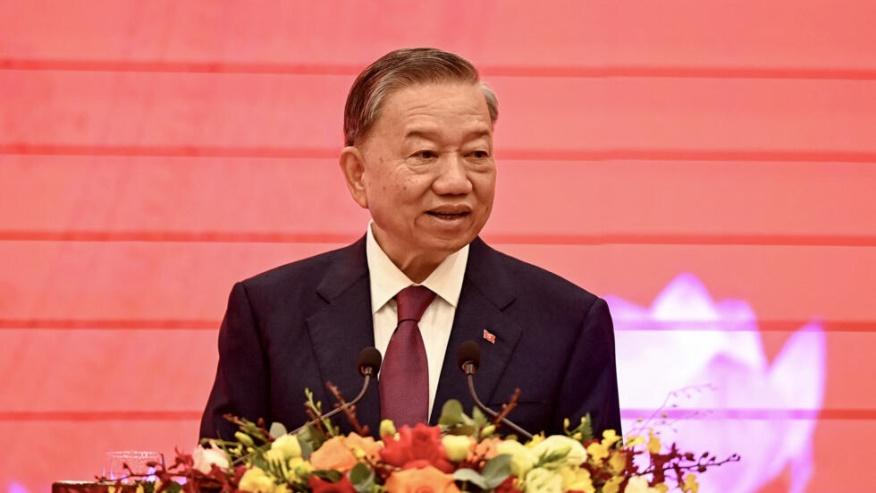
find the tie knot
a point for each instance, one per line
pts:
(412, 302)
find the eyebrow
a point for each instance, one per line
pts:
(432, 135)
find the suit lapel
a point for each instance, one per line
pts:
(486, 293)
(343, 328)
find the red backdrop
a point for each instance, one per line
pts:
(152, 153)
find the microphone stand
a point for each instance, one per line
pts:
(367, 372)
(469, 368)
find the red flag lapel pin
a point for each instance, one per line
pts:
(489, 336)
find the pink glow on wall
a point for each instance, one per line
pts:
(705, 367)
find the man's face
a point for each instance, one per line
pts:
(428, 171)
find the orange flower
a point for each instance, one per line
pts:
(485, 450)
(424, 480)
(342, 453)
(334, 454)
(366, 444)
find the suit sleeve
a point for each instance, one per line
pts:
(241, 385)
(590, 382)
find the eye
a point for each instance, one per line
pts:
(480, 154)
(425, 154)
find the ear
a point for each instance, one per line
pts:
(353, 166)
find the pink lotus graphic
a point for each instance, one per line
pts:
(703, 363)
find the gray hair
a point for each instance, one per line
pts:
(399, 69)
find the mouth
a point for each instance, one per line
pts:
(450, 213)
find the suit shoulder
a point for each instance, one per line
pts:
(544, 283)
(297, 274)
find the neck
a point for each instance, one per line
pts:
(416, 265)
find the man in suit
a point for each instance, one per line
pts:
(418, 129)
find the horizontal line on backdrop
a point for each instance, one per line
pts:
(774, 325)
(681, 414)
(497, 238)
(631, 154)
(567, 71)
(99, 415)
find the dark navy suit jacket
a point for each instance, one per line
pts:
(303, 324)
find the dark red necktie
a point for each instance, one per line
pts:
(404, 376)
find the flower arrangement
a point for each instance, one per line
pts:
(462, 453)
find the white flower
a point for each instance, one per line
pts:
(256, 481)
(522, 458)
(288, 446)
(204, 458)
(571, 450)
(541, 480)
(456, 446)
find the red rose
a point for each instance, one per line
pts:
(322, 486)
(416, 446)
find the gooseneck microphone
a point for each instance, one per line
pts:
(368, 364)
(468, 356)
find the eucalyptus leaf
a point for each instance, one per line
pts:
(497, 470)
(277, 430)
(452, 414)
(480, 419)
(362, 478)
(471, 476)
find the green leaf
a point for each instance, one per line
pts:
(277, 430)
(331, 476)
(471, 476)
(497, 470)
(451, 414)
(362, 478)
(480, 419)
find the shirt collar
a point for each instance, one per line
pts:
(387, 279)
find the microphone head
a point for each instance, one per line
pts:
(369, 361)
(468, 353)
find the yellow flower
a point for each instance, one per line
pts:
(618, 462)
(244, 438)
(387, 428)
(653, 443)
(541, 480)
(609, 438)
(255, 480)
(638, 484)
(612, 485)
(597, 452)
(274, 456)
(456, 446)
(522, 458)
(690, 484)
(635, 440)
(288, 446)
(535, 440)
(299, 469)
(576, 479)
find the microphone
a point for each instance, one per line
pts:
(368, 364)
(468, 357)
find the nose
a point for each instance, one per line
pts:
(453, 176)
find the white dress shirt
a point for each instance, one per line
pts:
(387, 280)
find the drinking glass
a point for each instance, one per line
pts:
(138, 461)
